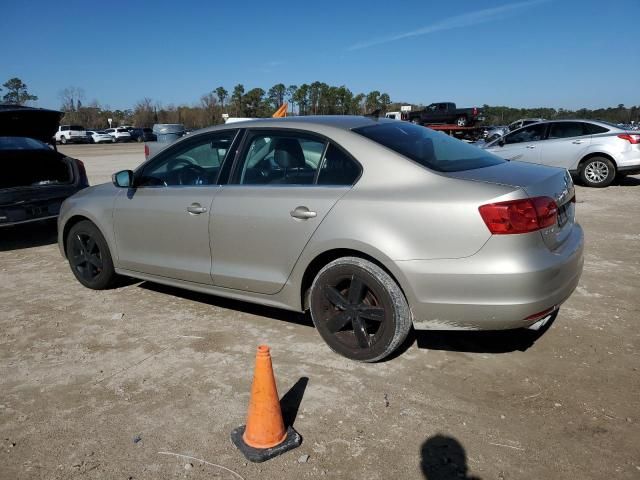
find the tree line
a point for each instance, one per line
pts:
(317, 98)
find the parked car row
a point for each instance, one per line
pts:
(78, 134)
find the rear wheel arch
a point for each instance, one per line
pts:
(323, 259)
(596, 154)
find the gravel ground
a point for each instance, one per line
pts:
(99, 384)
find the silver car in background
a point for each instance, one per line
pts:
(373, 225)
(595, 151)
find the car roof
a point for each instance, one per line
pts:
(341, 122)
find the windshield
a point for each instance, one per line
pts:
(434, 150)
(22, 143)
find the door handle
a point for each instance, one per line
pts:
(577, 142)
(302, 213)
(196, 209)
(531, 146)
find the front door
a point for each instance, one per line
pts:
(162, 225)
(523, 145)
(284, 185)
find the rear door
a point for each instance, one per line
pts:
(284, 184)
(566, 144)
(523, 145)
(162, 225)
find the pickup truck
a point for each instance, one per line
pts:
(71, 134)
(445, 113)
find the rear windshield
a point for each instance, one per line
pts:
(21, 143)
(431, 149)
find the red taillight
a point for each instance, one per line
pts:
(475, 110)
(520, 216)
(146, 151)
(633, 139)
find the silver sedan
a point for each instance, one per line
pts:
(375, 226)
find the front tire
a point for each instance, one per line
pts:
(598, 172)
(89, 256)
(461, 121)
(359, 310)
(63, 140)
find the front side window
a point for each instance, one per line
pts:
(430, 149)
(532, 133)
(281, 158)
(566, 130)
(194, 163)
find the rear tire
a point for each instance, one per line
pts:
(416, 121)
(359, 310)
(598, 172)
(89, 256)
(140, 139)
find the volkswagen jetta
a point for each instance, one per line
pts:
(373, 225)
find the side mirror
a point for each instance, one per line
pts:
(123, 179)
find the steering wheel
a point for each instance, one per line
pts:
(192, 174)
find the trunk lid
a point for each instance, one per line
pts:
(535, 181)
(38, 123)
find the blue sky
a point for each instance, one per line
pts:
(557, 53)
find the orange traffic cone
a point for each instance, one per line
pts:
(264, 436)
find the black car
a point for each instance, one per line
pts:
(142, 135)
(36, 178)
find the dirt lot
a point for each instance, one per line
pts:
(97, 384)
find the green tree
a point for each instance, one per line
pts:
(222, 95)
(291, 93)
(254, 103)
(236, 98)
(17, 92)
(301, 97)
(385, 101)
(372, 101)
(276, 95)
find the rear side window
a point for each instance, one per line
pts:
(567, 130)
(76, 127)
(430, 149)
(338, 168)
(593, 129)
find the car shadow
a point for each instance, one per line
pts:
(490, 341)
(495, 341)
(627, 181)
(28, 235)
(230, 304)
(443, 458)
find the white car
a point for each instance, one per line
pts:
(70, 134)
(119, 134)
(98, 136)
(596, 151)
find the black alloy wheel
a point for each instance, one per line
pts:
(359, 310)
(89, 256)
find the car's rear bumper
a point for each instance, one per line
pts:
(31, 211)
(509, 280)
